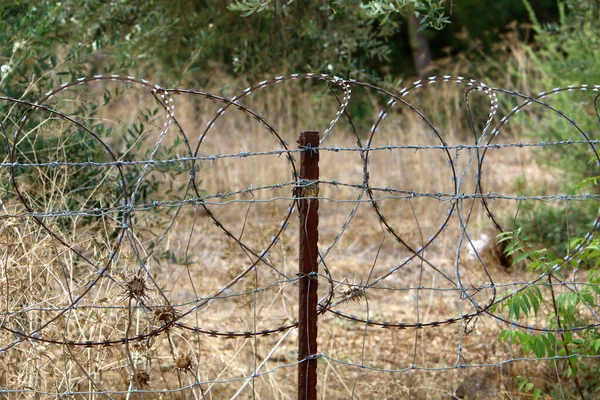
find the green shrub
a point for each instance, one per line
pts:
(565, 53)
(573, 335)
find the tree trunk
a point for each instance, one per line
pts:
(419, 46)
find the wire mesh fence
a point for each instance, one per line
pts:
(143, 256)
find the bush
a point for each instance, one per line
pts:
(572, 333)
(565, 54)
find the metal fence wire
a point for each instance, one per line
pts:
(179, 269)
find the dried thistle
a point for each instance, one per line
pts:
(142, 377)
(352, 293)
(184, 363)
(136, 288)
(165, 315)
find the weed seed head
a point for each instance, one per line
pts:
(352, 293)
(184, 363)
(142, 377)
(165, 315)
(136, 288)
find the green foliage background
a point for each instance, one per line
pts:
(189, 40)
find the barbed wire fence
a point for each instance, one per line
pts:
(103, 322)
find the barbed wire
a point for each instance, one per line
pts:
(147, 311)
(404, 195)
(337, 149)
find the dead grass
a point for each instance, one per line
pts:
(192, 259)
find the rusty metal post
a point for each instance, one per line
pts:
(308, 210)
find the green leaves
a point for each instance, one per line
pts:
(430, 12)
(523, 385)
(524, 302)
(541, 345)
(564, 302)
(354, 39)
(541, 259)
(248, 7)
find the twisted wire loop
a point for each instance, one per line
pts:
(114, 235)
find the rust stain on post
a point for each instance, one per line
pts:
(308, 210)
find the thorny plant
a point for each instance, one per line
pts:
(136, 288)
(352, 292)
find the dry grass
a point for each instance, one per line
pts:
(192, 259)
